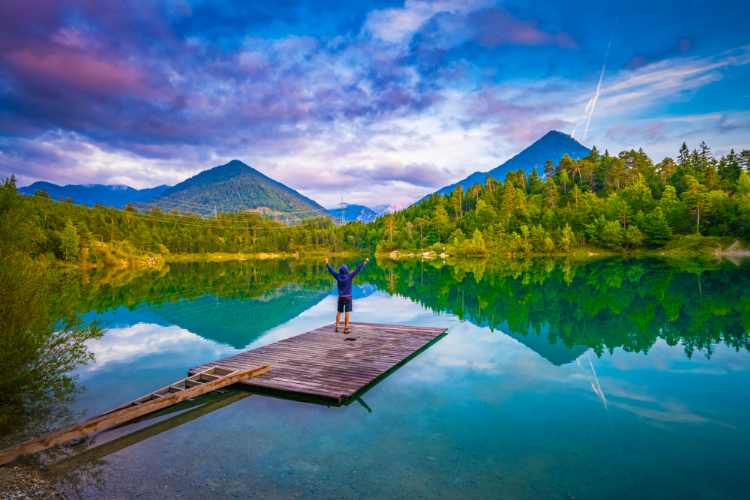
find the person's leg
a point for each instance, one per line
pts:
(338, 319)
(346, 320)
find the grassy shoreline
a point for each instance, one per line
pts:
(157, 260)
(693, 246)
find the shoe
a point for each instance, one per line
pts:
(347, 330)
(336, 329)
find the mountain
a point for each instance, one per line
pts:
(554, 351)
(350, 213)
(93, 194)
(553, 146)
(236, 187)
(220, 319)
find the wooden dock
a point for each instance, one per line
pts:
(324, 364)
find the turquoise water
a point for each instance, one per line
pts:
(614, 379)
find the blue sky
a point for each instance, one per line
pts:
(374, 102)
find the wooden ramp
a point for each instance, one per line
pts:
(322, 363)
(203, 382)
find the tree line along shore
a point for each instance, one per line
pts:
(598, 205)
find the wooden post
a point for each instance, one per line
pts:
(125, 414)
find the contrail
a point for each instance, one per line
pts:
(595, 385)
(591, 105)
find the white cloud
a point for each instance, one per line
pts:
(464, 129)
(398, 25)
(142, 340)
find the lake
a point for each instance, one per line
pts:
(606, 379)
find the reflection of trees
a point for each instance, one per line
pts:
(602, 304)
(238, 280)
(41, 340)
(37, 350)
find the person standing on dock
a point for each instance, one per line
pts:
(344, 281)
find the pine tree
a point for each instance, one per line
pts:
(69, 241)
(457, 202)
(535, 183)
(564, 180)
(567, 238)
(611, 235)
(508, 206)
(478, 246)
(632, 237)
(549, 169)
(683, 157)
(743, 184)
(656, 228)
(550, 194)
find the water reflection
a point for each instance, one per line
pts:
(555, 308)
(601, 305)
(551, 372)
(39, 346)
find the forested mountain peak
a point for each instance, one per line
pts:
(236, 187)
(552, 146)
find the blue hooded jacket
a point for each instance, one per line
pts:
(344, 278)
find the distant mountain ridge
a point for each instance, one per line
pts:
(116, 196)
(353, 212)
(235, 187)
(552, 146)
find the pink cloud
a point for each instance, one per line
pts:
(77, 69)
(496, 27)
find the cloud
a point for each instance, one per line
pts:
(398, 25)
(496, 27)
(75, 69)
(660, 134)
(645, 86)
(139, 342)
(386, 104)
(422, 175)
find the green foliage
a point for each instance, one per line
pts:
(468, 247)
(619, 203)
(656, 228)
(602, 304)
(69, 241)
(567, 238)
(236, 187)
(39, 346)
(743, 184)
(40, 227)
(622, 202)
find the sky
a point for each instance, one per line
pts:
(361, 102)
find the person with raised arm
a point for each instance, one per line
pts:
(344, 281)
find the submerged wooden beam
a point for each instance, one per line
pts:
(158, 400)
(102, 450)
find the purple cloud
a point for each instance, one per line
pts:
(419, 175)
(496, 27)
(414, 96)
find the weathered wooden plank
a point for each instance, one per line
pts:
(322, 363)
(125, 414)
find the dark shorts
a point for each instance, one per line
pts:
(345, 304)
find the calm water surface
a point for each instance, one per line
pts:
(613, 379)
